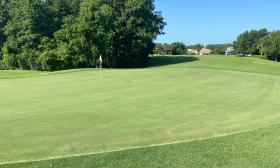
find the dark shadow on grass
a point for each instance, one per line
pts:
(155, 61)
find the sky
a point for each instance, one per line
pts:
(215, 21)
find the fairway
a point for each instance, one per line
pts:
(176, 99)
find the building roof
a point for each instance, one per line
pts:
(229, 49)
(205, 51)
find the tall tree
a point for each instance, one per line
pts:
(60, 34)
(198, 47)
(4, 17)
(138, 24)
(59, 9)
(270, 45)
(122, 32)
(75, 6)
(28, 22)
(178, 48)
(246, 42)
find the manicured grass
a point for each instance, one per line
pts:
(19, 74)
(243, 64)
(256, 149)
(177, 99)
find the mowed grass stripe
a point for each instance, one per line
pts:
(131, 148)
(255, 149)
(92, 111)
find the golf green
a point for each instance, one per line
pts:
(67, 113)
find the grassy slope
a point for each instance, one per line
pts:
(244, 64)
(256, 149)
(94, 111)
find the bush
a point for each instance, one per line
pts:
(28, 59)
(2, 65)
(50, 61)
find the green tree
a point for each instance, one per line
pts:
(121, 31)
(59, 9)
(270, 45)
(4, 17)
(27, 24)
(61, 34)
(75, 6)
(138, 24)
(178, 48)
(247, 42)
(198, 47)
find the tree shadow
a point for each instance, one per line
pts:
(156, 61)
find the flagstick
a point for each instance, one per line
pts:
(100, 61)
(100, 72)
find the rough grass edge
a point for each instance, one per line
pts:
(137, 147)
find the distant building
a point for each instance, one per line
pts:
(191, 51)
(205, 51)
(229, 51)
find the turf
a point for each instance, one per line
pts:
(18, 74)
(232, 63)
(177, 99)
(256, 149)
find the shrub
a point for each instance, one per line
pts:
(50, 61)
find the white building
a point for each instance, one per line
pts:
(229, 51)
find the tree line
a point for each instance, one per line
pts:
(248, 43)
(179, 48)
(219, 49)
(259, 42)
(176, 48)
(62, 34)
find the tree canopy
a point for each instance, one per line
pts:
(270, 45)
(259, 42)
(62, 34)
(4, 17)
(246, 42)
(178, 48)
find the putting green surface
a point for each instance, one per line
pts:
(178, 99)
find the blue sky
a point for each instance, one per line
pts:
(215, 21)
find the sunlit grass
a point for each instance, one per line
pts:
(176, 99)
